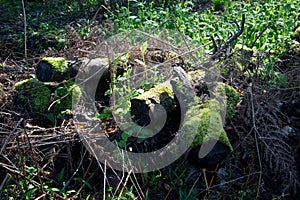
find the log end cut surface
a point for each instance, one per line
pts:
(44, 71)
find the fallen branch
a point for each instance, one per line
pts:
(10, 135)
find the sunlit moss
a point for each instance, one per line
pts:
(224, 98)
(297, 34)
(209, 115)
(34, 93)
(59, 64)
(295, 47)
(156, 92)
(210, 126)
(232, 99)
(197, 75)
(67, 95)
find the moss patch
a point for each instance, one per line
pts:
(242, 56)
(297, 34)
(156, 92)
(59, 64)
(209, 115)
(160, 94)
(66, 95)
(211, 128)
(295, 47)
(197, 75)
(210, 125)
(233, 98)
(229, 95)
(33, 93)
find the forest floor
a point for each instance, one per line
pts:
(41, 161)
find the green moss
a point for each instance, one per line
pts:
(103, 60)
(209, 116)
(67, 95)
(242, 56)
(197, 75)
(297, 32)
(161, 94)
(211, 128)
(59, 64)
(34, 93)
(295, 47)
(232, 99)
(210, 125)
(154, 93)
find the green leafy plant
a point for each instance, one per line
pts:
(29, 188)
(143, 50)
(124, 194)
(105, 114)
(269, 24)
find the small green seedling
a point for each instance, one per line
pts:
(105, 114)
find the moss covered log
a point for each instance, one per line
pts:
(33, 94)
(211, 125)
(52, 69)
(66, 95)
(210, 112)
(37, 97)
(144, 105)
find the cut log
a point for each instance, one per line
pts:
(145, 107)
(58, 69)
(95, 72)
(52, 69)
(209, 120)
(214, 157)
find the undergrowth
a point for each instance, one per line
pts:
(269, 28)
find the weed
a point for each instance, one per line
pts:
(28, 188)
(124, 195)
(143, 50)
(219, 4)
(105, 114)
(269, 24)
